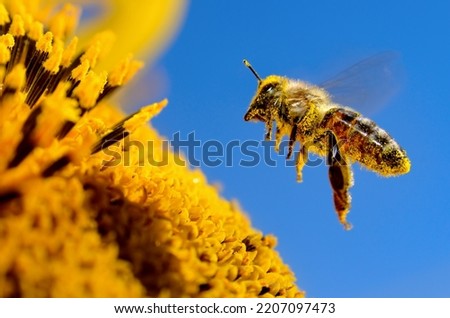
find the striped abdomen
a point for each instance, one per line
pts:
(362, 140)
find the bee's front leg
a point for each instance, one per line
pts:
(292, 138)
(341, 180)
(268, 135)
(302, 155)
(300, 162)
(278, 138)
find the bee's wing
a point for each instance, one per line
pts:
(368, 84)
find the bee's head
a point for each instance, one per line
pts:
(266, 98)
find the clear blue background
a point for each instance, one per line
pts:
(400, 243)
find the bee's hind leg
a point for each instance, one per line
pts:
(341, 180)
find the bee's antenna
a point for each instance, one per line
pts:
(246, 63)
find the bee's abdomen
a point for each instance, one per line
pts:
(362, 140)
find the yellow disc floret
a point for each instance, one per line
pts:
(92, 202)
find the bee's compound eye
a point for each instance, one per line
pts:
(268, 88)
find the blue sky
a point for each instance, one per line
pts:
(400, 243)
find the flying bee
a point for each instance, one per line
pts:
(307, 113)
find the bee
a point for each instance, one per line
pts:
(307, 113)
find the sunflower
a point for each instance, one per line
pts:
(77, 221)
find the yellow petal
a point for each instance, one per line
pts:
(143, 28)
